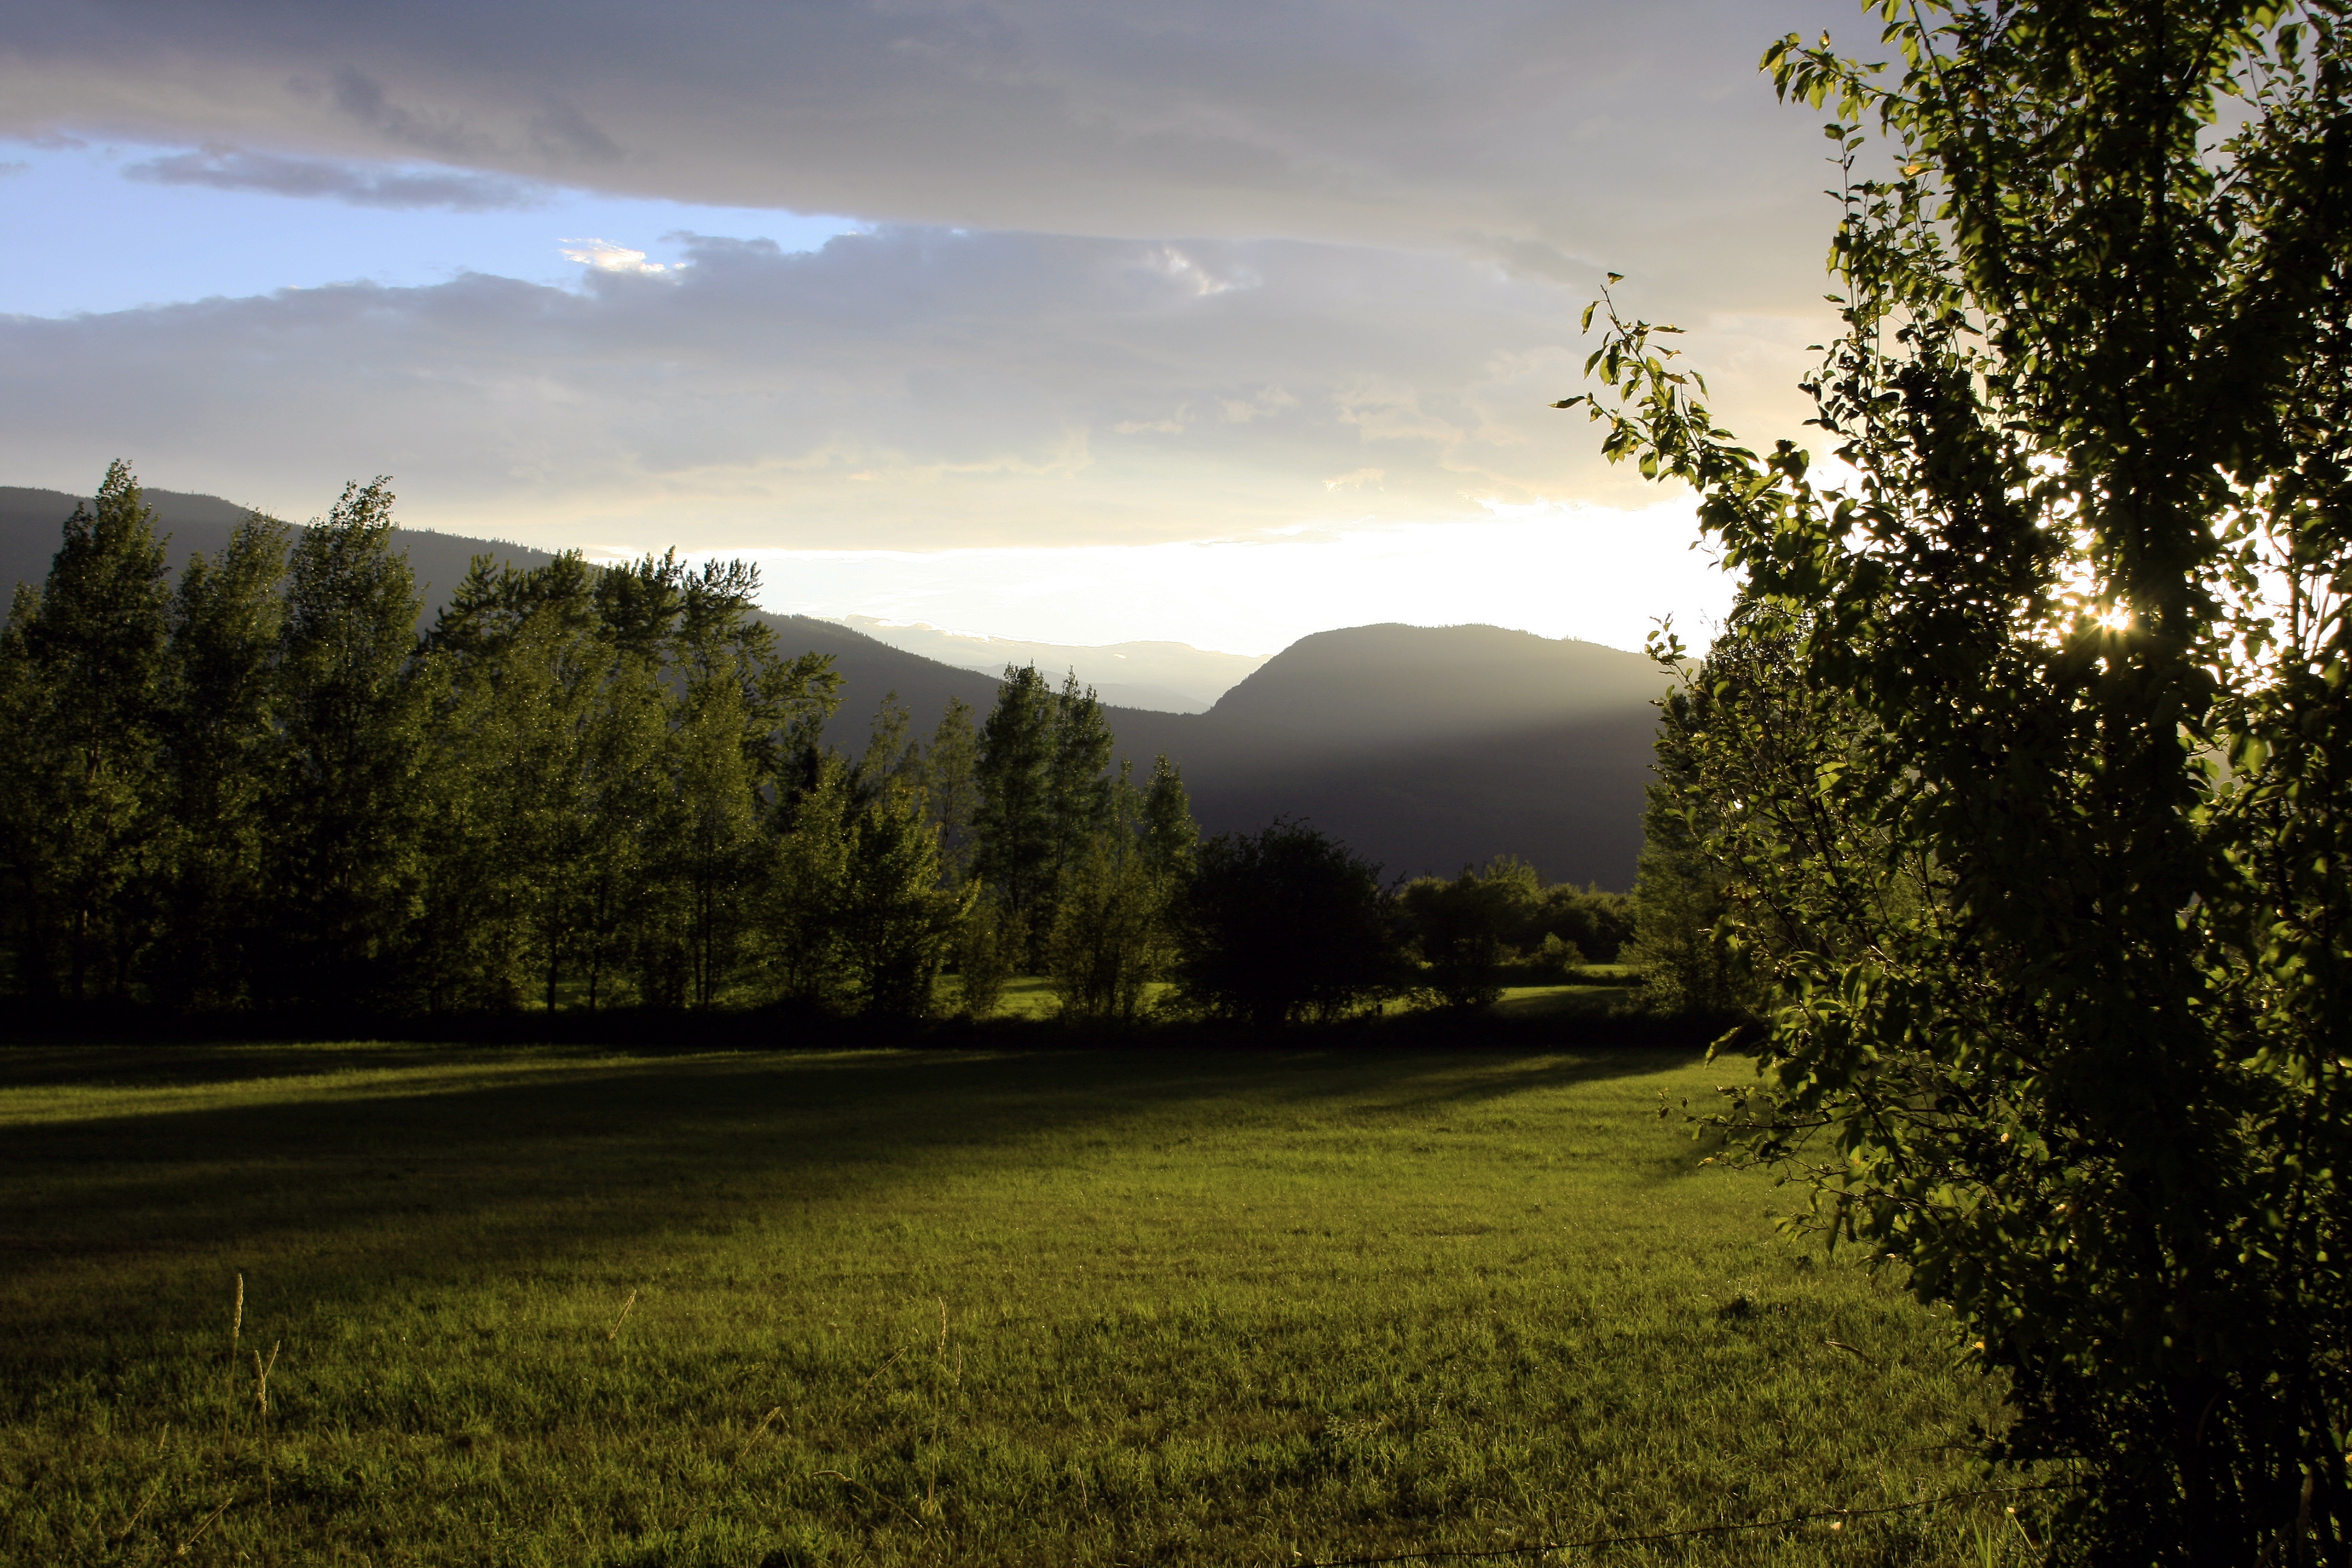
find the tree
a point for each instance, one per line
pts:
(952, 788)
(1282, 925)
(1084, 798)
(345, 791)
(801, 929)
(1044, 790)
(80, 784)
(857, 917)
(1594, 921)
(1170, 839)
(1741, 746)
(896, 919)
(221, 694)
(990, 946)
(1464, 927)
(522, 672)
(2047, 900)
(1014, 836)
(743, 722)
(1113, 931)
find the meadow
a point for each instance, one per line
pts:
(545, 1305)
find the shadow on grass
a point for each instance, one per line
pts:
(522, 1160)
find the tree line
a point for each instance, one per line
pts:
(580, 786)
(596, 787)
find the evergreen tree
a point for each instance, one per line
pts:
(896, 919)
(1015, 830)
(1078, 775)
(802, 929)
(1170, 838)
(81, 786)
(952, 788)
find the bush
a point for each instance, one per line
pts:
(1285, 924)
(1464, 928)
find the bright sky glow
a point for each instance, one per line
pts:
(1603, 575)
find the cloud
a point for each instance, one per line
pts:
(1137, 272)
(906, 388)
(1552, 137)
(606, 256)
(229, 169)
(12, 166)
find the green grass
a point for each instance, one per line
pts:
(1604, 988)
(542, 1306)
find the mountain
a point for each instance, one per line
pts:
(1430, 748)
(1425, 748)
(1172, 677)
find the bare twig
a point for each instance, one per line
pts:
(191, 1540)
(132, 1522)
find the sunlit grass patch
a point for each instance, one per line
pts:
(545, 1307)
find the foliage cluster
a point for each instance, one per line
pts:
(2017, 787)
(1499, 924)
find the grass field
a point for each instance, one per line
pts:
(557, 1305)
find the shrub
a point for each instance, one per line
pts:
(1285, 924)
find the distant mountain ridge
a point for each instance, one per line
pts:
(1172, 677)
(1425, 748)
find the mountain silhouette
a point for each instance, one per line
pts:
(1425, 748)
(1430, 748)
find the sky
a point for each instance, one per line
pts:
(1072, 322)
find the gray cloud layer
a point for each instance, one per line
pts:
(909, 388)
(227, 169)
(1397, 210)
(1542, 133)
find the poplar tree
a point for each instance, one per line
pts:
(81, 785)
(221, 700)
(344, 790)
(2048, 899)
